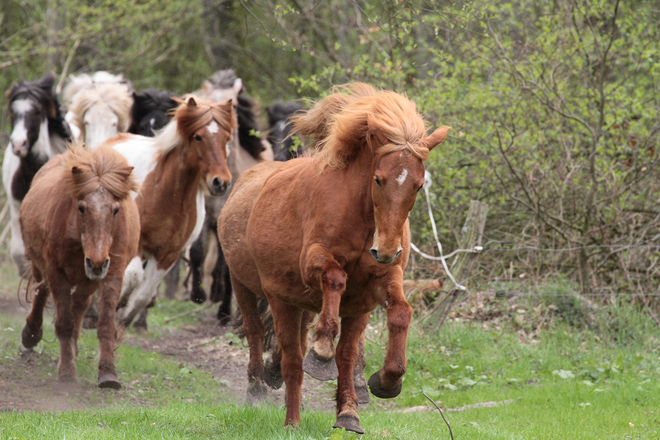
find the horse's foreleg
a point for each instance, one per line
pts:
(254, 333)
(80, 301)
(197, 253)
(143, 294)
(287, 329)
(221, 287)
(386, 382)
(322, 269)
(352, 329)
(64, 328)
(33, 330)
(106, 332)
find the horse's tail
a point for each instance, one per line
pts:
(317, 122)
(266, 318)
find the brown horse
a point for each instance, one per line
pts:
(81, 227)
(330, 235)
(190, 151)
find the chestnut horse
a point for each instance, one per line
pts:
(81, 227)
(190, 150)
(330, 235)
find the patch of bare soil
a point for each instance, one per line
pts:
(204, 346)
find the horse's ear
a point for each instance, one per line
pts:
(436, 137)
(47, 82)
(75, 170)
(376, 132)
(207, 87)
(238, 86)
(191, 102)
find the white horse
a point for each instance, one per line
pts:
(99, 106)
(39, 132)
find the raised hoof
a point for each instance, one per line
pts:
(378, 390)
(31, 339)
(109, 380)
(362, 394)
(349, 423)
(318, 368)
(272, 375)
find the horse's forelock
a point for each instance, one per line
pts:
(102, 168)
(193, 118)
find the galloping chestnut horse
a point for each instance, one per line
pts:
(81, 227)
(190, 150)
(330, 235)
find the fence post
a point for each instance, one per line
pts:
(464, 262)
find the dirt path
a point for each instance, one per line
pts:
(24, 385)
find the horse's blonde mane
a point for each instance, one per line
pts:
(339, 124)
(86, 171)
(83, 81)
(114, 95)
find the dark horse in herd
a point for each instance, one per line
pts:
(324, 233)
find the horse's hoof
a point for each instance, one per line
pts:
(109, 380)
(362, 394)
(198, 296)
(89, 323)
(224, 318)
(377, 389)
(349, 423)
(272, 375)
(318, 368)
(141, 329)
(256, 393)
(30, 338)
(67, 379)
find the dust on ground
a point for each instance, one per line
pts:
(25, 386)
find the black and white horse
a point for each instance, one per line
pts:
(38, 133)
(279, 114)
(150, 111)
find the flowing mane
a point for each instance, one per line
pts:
(339, 124)
(147, 101)
(114, 95)
(77, 83)
(86, 171)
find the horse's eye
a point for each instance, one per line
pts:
(197, 137)
(378, 182)
(420, 188)
(115, 212)
(81, 209)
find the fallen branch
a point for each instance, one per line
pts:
(451, 434)
(199, 344)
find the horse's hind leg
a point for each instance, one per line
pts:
(33, 330)
(80, 301)
(254, 333)
(91, 315)
(273, 368)
(352, 329)
(172, 280)
(288, 321)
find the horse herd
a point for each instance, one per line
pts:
(324, 233)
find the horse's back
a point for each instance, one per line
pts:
(233, 221)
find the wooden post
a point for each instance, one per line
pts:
(471, 236)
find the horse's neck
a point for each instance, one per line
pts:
(177, 180)
(358, 174)
(43, 148)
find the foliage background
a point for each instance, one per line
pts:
(553, 104)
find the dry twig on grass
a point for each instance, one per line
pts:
(451, 434)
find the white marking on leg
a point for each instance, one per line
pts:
(402, 177)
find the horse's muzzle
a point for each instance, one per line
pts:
(96, 271)
(218, 187)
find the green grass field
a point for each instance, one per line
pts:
(599, 380)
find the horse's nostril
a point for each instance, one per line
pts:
(89, 264)
(216, 183)
(106, 263)
(374, 253)
(397, 254)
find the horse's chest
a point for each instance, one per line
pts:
(20, 184)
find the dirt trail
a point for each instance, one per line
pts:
(24, 386)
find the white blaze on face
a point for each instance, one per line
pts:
(19, 134)
(402, 177)
(213, 127)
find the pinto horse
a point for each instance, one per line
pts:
(170, 167)
(246, 150)
(39, 132)
(330, 235)
(81, 228)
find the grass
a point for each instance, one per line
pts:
(574, 378)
